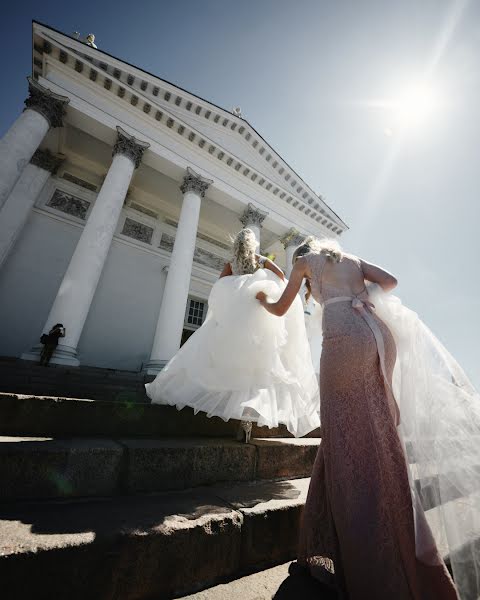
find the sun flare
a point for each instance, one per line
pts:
(410, 109)
(416, 105)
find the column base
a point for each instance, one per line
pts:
(153, 367)
(63, 355)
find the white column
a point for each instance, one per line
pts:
(44, 109)
(252, 218)
(15, 211)
(80, 281)
(168, 333)
(291, 240)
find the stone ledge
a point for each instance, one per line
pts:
(26, 415)
(155, 546)
(55, 468)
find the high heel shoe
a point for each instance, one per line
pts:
(245, 431)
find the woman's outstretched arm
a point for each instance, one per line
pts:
(378, 275)
(279, 308)
(271, 266)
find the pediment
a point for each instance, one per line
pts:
(214, 130)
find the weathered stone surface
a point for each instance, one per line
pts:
(271, 519)
(287, 457)
(155, 465)
(155, 546)
(51, 468)
(46, 468)
(275, 583)
(64, 417)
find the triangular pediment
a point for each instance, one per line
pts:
(220, 133)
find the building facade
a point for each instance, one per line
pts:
(119, 197)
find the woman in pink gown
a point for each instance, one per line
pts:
(358, 529)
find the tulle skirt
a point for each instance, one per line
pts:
(243, 362)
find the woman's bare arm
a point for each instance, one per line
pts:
(227, 270)
(271, 266)
(299, 272)
(378, 275)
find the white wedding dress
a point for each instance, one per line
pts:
(244, 363)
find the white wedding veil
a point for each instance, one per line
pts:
(440, 429)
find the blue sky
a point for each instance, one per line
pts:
(325, 82)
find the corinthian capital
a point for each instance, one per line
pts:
(292, 238)
(193, 182)
(47, 103)
(46, 160)
(129, 146)
(252, 216)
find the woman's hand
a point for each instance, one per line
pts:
(262, 298)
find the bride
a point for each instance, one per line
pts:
(387, 386)
(243, 363)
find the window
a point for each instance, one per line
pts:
(194, 316)
(195, 312)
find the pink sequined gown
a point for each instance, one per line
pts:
(358, 518)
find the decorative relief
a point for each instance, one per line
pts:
(203, 257)
(137, 231)
(253, 216)
(193, 182)
(46, 160)
(47, 103)
(166, 243)
(200, 256)
(69, 204)
(129, 146)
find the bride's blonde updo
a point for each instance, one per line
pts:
(328, 247)
(244, 252)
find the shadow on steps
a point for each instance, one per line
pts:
(299, 584)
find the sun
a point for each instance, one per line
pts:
(416, 105)
(411, 108)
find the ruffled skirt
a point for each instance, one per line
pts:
(243, 362)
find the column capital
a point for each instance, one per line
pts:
(193, 182)
(129, 146)
(292, 238)
(47, 103)
(253, 216)
(47, 161)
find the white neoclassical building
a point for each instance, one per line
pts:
(119, 194)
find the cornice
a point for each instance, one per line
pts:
(142, 94)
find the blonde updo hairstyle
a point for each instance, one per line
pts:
(328, 247)
(244, 252)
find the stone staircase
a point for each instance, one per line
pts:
(123, 500)
(127, 500)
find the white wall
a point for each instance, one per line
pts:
(30, 278)
(121, 323)
(119, 330)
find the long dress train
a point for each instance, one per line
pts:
(358, 521)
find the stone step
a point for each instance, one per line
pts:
(161, 546)
(277, 583)
(54, 468)
(152, 546)
(23, 415)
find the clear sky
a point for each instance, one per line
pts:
(375, 103)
